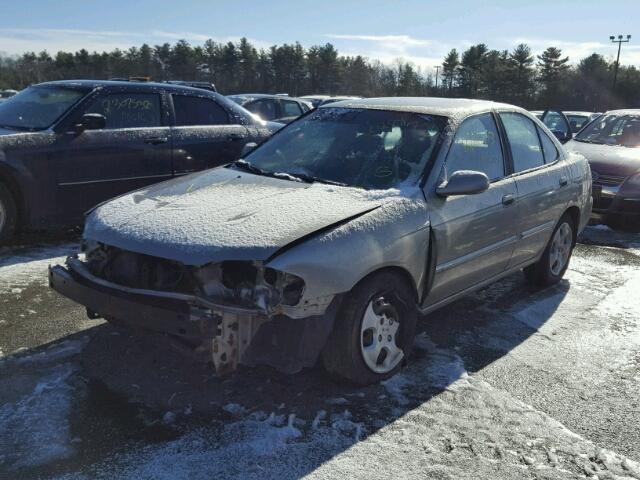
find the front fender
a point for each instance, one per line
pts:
(395, 235)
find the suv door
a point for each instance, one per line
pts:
(475, 234)
(542, 182)
(203, 134)
(132, 151)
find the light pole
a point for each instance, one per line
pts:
(437, 72)
(620, 40)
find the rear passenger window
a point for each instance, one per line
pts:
(524, 142)
(128, 110)
(476, 146)
(290, 109)
(192, 111)
(548, 148)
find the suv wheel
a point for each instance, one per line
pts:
(555, 258)
(374, 330)
(7, 214)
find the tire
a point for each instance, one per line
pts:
(8, 214)
(555, 258)
(392, 300)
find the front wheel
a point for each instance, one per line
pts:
(374, 330)
(555, 258)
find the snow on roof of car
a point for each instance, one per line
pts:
(450, 107)
(626, 111)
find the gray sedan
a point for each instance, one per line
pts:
(329, 239)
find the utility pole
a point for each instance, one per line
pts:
(437, 72)
(620, 40)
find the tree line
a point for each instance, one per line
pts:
(547, 80)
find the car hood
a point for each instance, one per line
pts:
(608, 159)
(225, 214)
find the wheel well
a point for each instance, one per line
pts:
(401, 272)
(574, 214)
(14, 190)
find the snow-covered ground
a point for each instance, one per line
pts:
(509, 383)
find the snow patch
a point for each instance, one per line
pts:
(35, 429)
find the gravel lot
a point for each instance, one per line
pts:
(511, 382)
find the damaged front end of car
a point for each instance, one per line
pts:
(227, 313)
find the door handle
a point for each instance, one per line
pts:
(234, 137)
(508, 199)
(156, 140)
(563, 181)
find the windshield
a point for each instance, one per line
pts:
(37, 108)
(371, 149)
(623, 130)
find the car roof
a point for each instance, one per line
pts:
(91, 84)
(449, 107)
(626, 111)
(577, 112)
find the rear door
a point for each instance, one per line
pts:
(475, 234)
(133, 150)
(541, 180)
(204, 135)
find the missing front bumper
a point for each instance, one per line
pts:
(215, 332)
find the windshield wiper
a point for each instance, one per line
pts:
(311, 179)
(248, 167)
(584, 140)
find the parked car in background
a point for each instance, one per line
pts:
(329, 100)
(564, 124)
(66, 146)
(278, 108)
(611, 144)
(317, 100)
(329, 238)
(537, 113)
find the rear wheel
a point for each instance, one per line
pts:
(8, 214)
(555, 258)
(374, 330)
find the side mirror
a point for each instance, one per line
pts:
(90, 121)
(248, 148)
(464, 182)
(563, 137)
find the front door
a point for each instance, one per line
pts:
(203, 135)
(475, 234)
(133, 150)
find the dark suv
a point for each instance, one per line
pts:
(66, 146)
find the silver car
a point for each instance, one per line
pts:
(328, 240)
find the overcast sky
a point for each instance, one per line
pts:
(418, 30)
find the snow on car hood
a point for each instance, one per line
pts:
(224, 214)
(608, 159)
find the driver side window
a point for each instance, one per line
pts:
(476, 146)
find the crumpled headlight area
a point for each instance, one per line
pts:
(250, 283)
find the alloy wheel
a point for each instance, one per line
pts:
(560, 248)
(379, 336)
